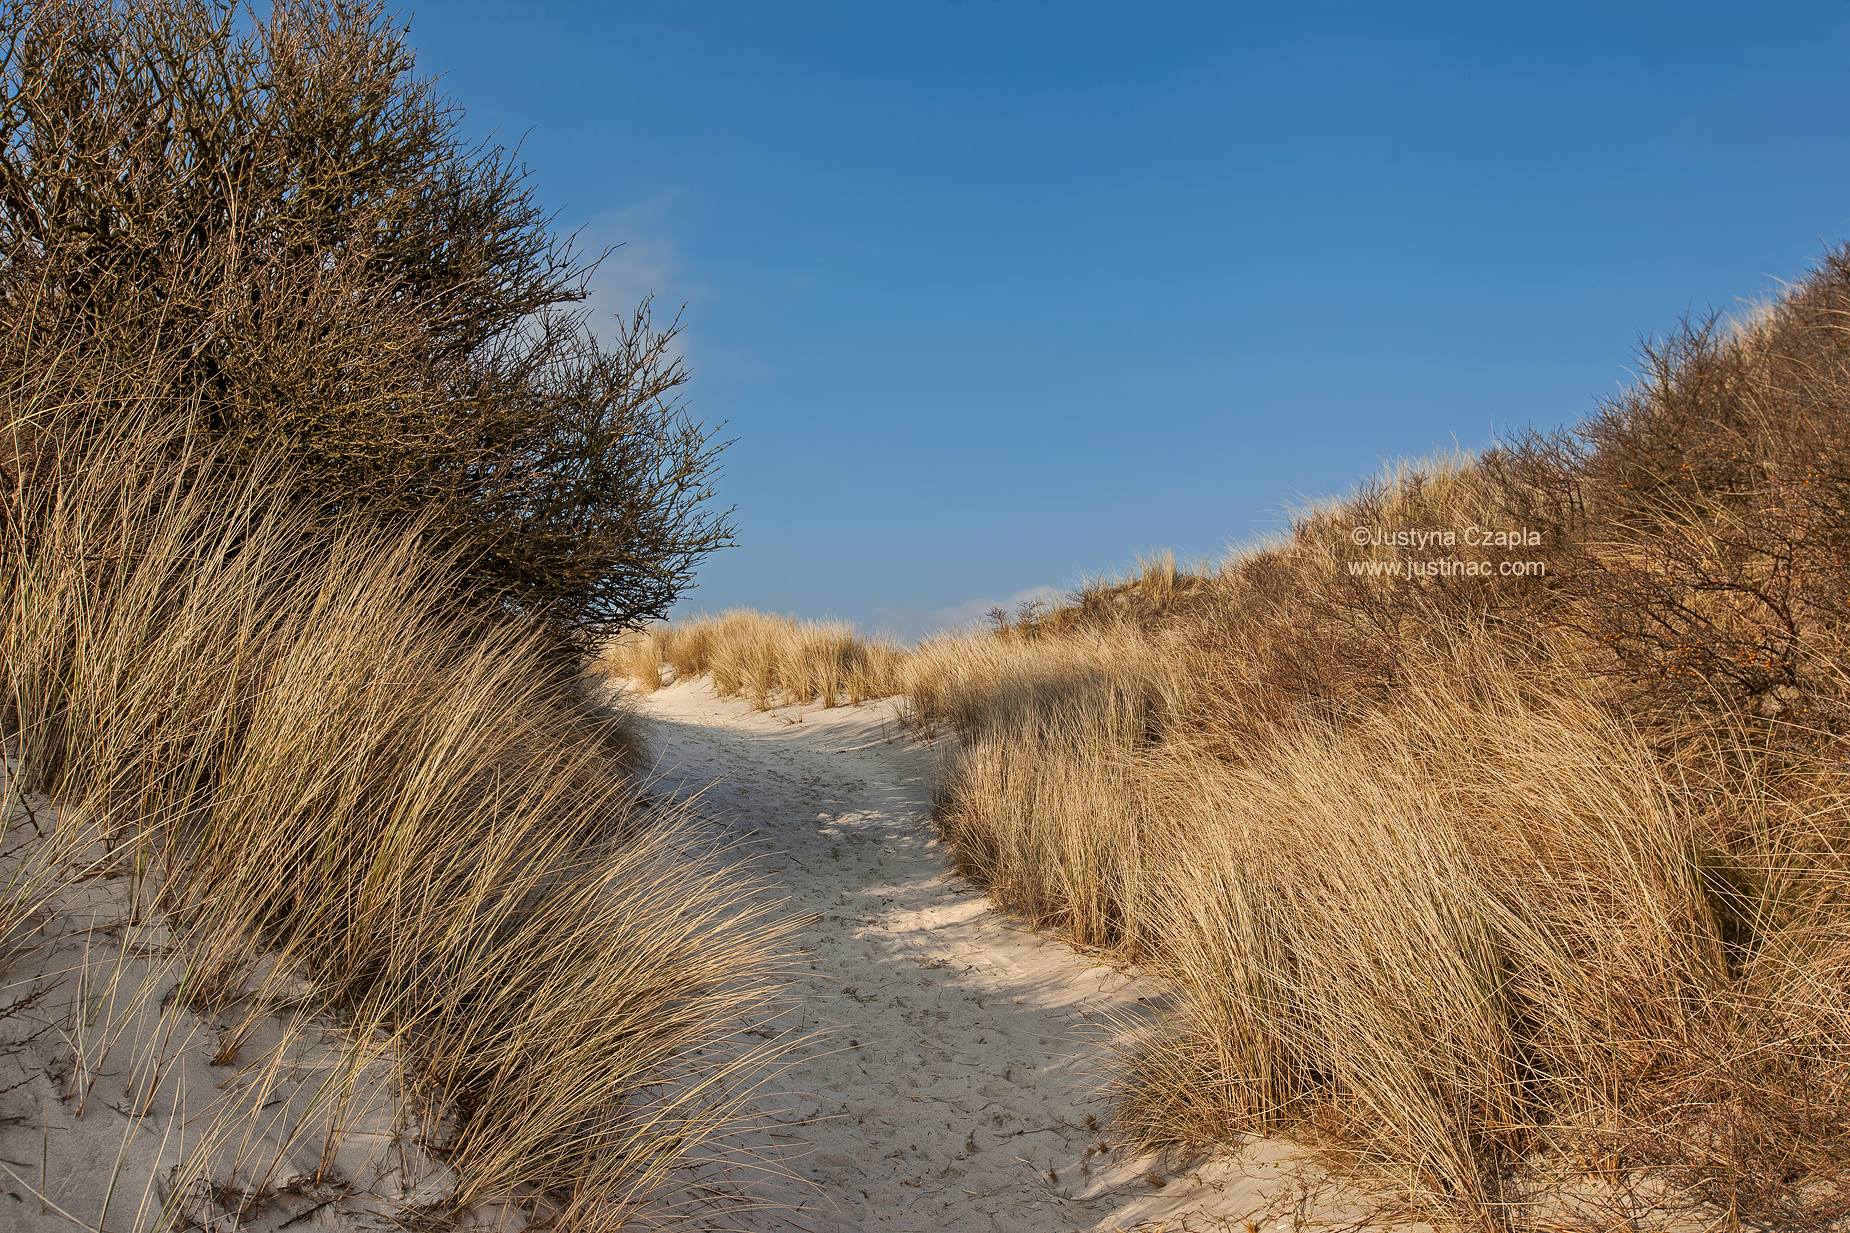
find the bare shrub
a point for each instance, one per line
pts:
(1708, 507)
(292, 233)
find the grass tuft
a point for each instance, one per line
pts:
(334, 772)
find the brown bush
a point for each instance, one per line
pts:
(1708, 511)
(282, 221)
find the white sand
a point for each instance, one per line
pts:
(122, 1109)
(955, 1082)
(951, 1079)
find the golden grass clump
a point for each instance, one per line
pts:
(1471, 926)
(1488, 943)
(333, 771)
(769, 660)
(1079, 710)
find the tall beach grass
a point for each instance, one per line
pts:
(1521, 892)
(332, 771)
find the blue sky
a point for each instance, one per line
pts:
(999, 296)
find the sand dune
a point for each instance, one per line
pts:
(950, 1075)
(953, 1080)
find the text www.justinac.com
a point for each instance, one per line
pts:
(1447, 567)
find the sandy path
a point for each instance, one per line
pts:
(955, 1081)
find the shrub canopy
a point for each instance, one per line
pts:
(281, 220)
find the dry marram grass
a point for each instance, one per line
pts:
(328, 771)
(1521, 894)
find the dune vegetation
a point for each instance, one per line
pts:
(290, 630)
(332, 783)
(1518, 891)
(762, 657)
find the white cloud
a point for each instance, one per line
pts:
(643, 260)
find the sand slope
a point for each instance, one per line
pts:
(953, 1083)
(948, 1078)
(122, 1109)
